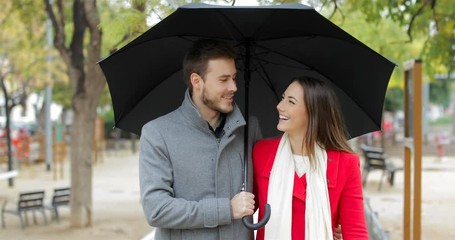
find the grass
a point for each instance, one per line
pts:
(446, 120)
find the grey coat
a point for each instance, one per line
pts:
(188, 176)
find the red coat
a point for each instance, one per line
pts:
(344, 184)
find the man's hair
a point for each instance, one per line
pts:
(198, 56)
(326, 126)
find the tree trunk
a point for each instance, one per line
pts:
(452, 105)
(81, 165)
(8, 129)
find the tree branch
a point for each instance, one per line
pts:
(77, 47)
(58, 26)
(433, 10)
(335, 8)
(413, 18)
(93, 20)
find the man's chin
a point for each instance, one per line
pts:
(226, 109)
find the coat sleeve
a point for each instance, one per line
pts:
(161, 208)
(351, 208)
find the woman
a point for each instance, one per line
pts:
(310, 176)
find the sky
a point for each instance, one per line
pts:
(152, 20)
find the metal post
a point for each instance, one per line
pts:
(47, 102)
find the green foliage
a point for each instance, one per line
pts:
(109, 122)
(442, 121)
(393, 99)
(431, 23)
(61, 93)
(440, 92)
(23, 46)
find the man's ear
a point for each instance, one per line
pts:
(195, 80)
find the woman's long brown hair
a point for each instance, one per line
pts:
(325, 122)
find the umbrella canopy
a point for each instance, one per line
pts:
(274, 43)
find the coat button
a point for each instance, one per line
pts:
(330, 160)
(328, 180)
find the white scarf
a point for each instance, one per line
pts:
(318, 222)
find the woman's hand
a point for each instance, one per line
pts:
(337, 234)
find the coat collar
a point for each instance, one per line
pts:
(234, 119)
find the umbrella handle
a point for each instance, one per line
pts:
(261, 223)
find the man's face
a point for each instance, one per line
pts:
(219, 85)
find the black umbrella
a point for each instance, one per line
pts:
(275, 43)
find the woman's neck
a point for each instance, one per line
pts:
(297, 146)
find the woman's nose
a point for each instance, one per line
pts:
(279, 107)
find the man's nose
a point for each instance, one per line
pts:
(233, 85)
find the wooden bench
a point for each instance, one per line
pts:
(376, 159)
(61, 197)
(28, 202)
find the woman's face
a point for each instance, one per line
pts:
(292, 111)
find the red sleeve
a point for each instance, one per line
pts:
(351, 208)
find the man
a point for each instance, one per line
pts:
(191, 160)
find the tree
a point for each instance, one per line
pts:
(21, 60)
(80, 56)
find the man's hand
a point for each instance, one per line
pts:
(242, 205)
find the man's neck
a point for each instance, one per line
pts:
(208, 114)
(213, 120)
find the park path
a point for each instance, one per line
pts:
(117, 212)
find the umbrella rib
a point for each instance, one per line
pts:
(267, 80)
(231, 24)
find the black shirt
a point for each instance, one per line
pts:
(219, 130)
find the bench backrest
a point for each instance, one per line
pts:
(61, 196)
(374, 156)
(30, 200)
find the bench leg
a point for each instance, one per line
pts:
(22, 220)
(44, 216)
(381, 179)
(26, 218)
(34, 217)
(392, 178)
(365, 176)
(3, 219)
(57, 217)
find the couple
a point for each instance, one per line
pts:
(191, 161)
